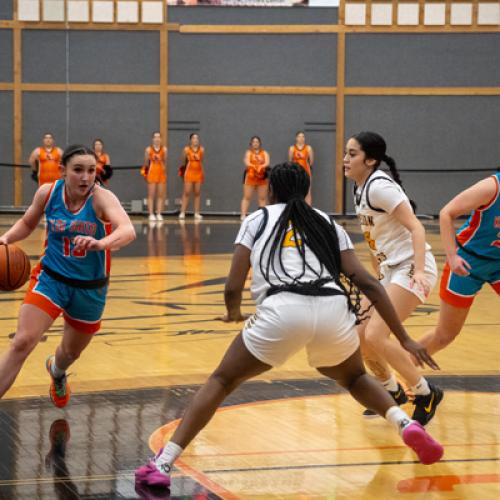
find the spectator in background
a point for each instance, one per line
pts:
(192, 172)
(45, 161)
(302, 154)
(103, 166)
(256, 162)
(155, 172)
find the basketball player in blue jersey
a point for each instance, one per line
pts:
(472, 257)
(72, 276)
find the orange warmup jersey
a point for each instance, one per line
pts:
(103, 159)
(157, 173)
(301, 156)
(48, 165)
(194, 165)
(254, 176)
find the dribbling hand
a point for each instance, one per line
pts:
(419, 353)
(3, 240)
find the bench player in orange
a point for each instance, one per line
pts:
(302, 154)
(155, 157)
(256, 162)
(192, 159)
(45, 160)
(103, 169)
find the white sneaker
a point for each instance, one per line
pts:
(182, 216)
(198, 217)
(152, 218)
(159, 217)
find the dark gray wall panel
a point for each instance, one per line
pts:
(115, 57)
(252, 15)
(123, 121)
(226, 124)
(253, 59)
(44, 56)
(446, 59)
(431, 133)
(6, 9)
(6, 148)
(6, 56)
(94, 57)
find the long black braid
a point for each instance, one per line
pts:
(289, 183)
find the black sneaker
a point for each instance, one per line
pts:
(399, 396)
(425, 406)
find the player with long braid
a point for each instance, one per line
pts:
(297, 255)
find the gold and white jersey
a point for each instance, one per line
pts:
(375, 201)
(255, 231)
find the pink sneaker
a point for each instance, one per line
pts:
(427, 449)
(151, 475)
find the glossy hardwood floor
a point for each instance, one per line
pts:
(288, 434)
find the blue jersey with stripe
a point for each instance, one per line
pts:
(62, 227)
(481, 233)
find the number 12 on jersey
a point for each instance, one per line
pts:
(72, 252)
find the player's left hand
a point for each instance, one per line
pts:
(87, 243)
(419, 280)
(419, 354)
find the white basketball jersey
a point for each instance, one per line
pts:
(253, 234)
(375, 201)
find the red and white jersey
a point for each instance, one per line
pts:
(375, 201)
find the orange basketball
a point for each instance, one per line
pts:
(14, 268)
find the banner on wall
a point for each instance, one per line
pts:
(258, 3)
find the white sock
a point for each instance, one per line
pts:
(397, 417)
(391, 384)
(56, 372)
(171, 452)
(421, 388)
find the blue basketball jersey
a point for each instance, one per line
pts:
(481, 233)
(62, 227)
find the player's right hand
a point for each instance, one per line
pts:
(459, 266)
(3, 240)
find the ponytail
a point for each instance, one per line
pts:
(395, 175)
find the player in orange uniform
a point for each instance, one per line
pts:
(192, 159)
(155, 157)
(103, 169)
(256, 162)
(45, 161)
(302, 154)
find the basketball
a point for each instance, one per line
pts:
(14, 268)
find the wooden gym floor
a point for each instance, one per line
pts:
(288, 434)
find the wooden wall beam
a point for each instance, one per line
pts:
(164, 78)
(255, 29)
(90, 87)
(427, 91)
(250, 89)
(339, 126)
(18, 116)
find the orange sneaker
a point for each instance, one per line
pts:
(59, 389)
